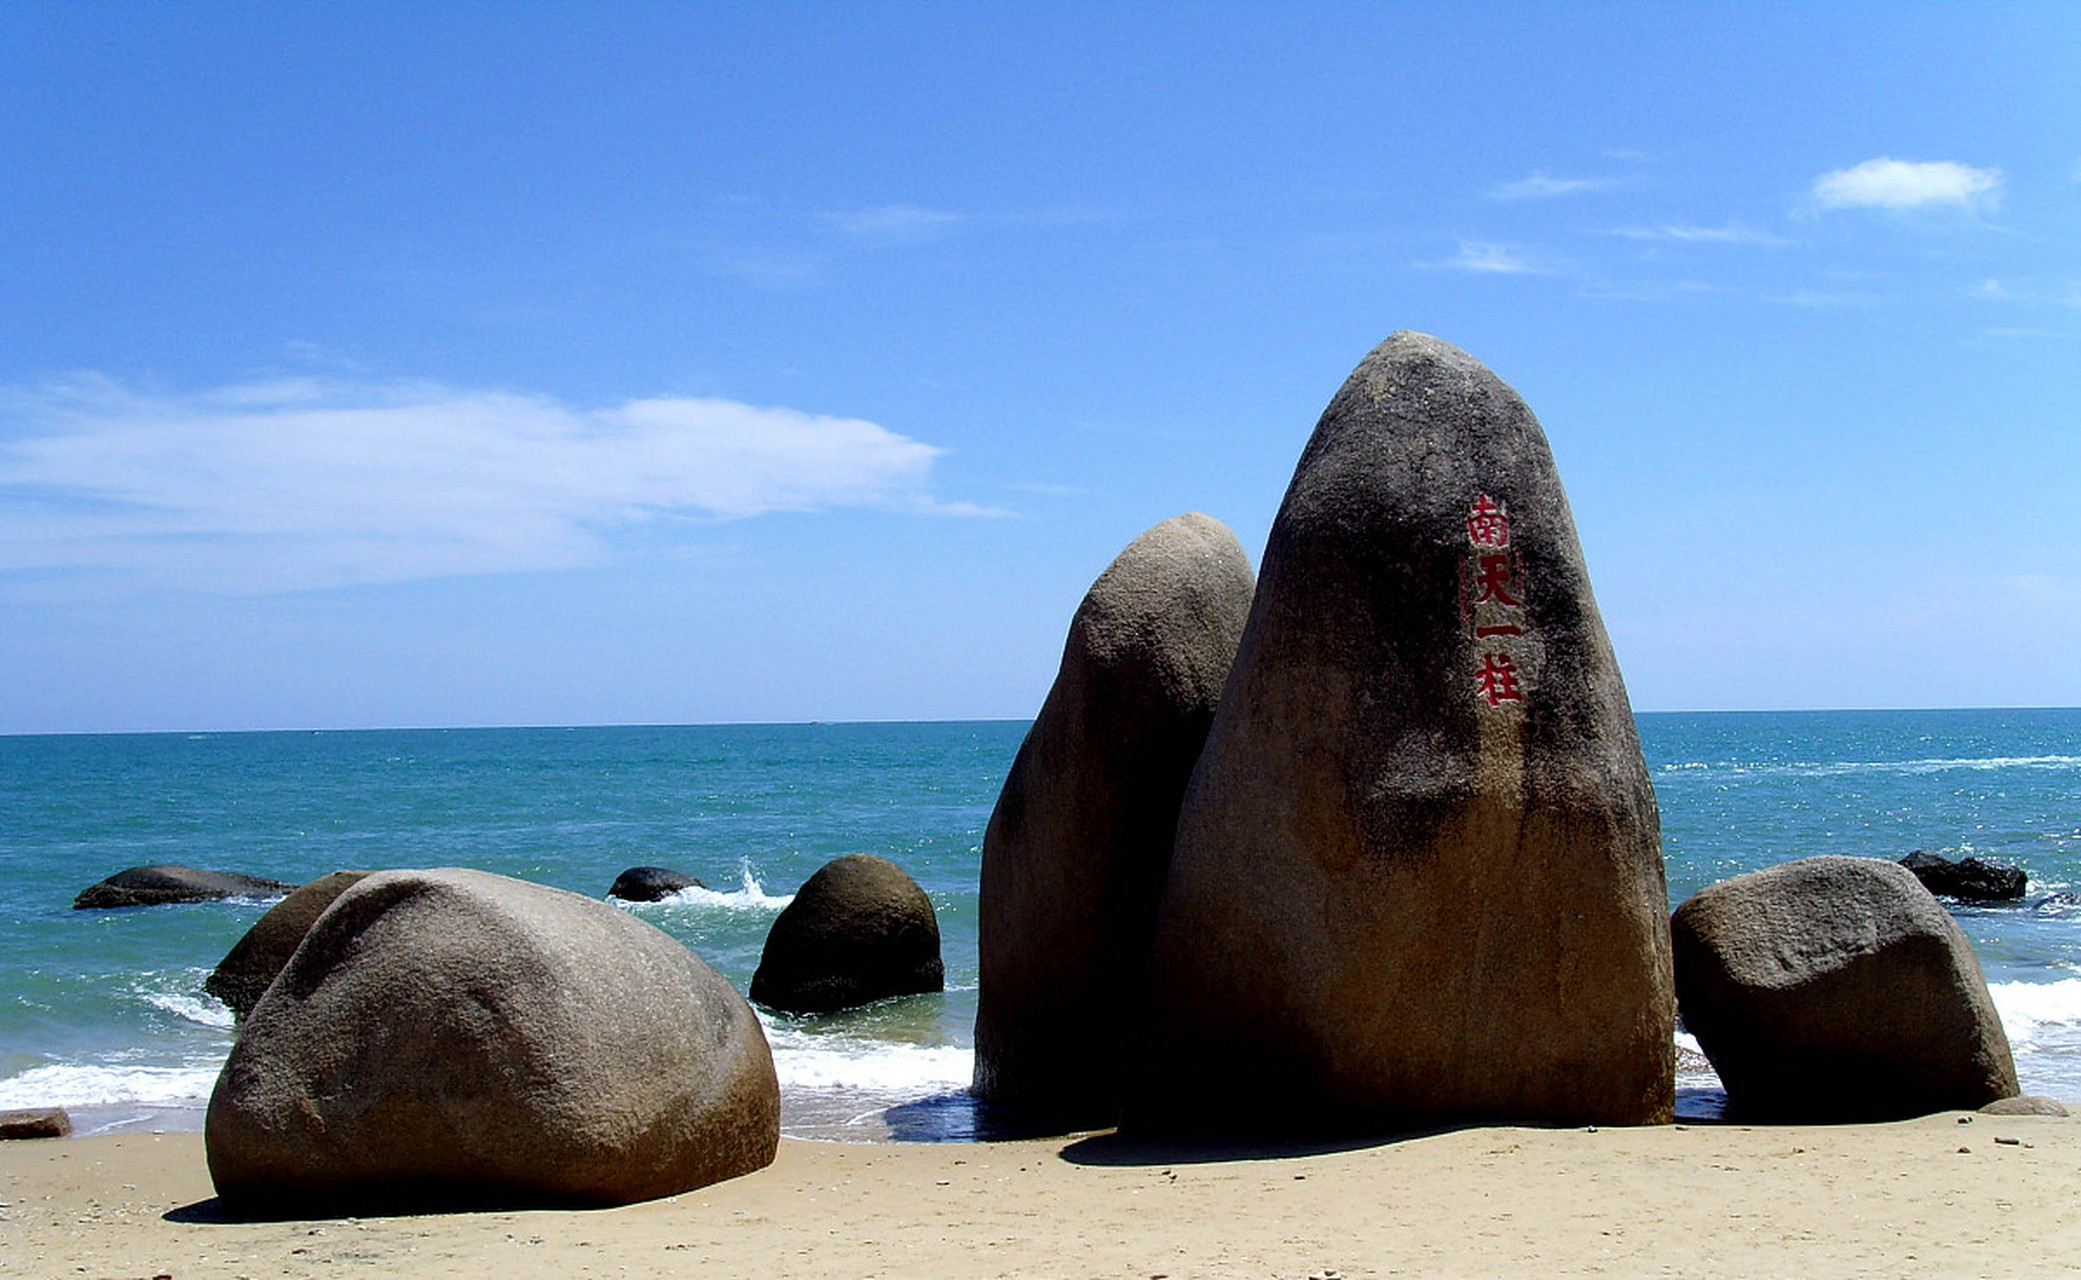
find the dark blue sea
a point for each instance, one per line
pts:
(104, 1011)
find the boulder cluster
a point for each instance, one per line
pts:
(1369, 843)
(414, 1040)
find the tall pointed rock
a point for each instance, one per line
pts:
(1075, 853)
(1418, 871)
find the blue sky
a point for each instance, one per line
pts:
(443, 365)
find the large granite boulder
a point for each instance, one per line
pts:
(447, 1038)
(649, 884)
(859, 930)
(1076, 850)
(163, 884)
(1967, 879)
(1836, 989)
(1418, 875)
(254, 960)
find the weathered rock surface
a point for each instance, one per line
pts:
(244, 972)
(1967, 879)
(2029, 1104)
(1418, 874)
(859, 930)
(159, 885)
(1837, 989)
(35, 1122)
(648, 884)
(452, 1037)
(1077, 847)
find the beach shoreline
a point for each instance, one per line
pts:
(1942, 1195)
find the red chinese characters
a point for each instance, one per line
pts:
(1495, 601)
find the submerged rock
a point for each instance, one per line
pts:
(243, 974)
(1837, 989)
(1418, 873)
(648, 884)
(1968, 879)
(448, 1038)
(35, 1122)
(859, 930)
(1077, 847)
(164, 884)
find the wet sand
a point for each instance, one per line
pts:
(1692, 1200)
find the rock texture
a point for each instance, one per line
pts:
(451, 1037)
(159, 885)
(859, 930)
(648, 884)
(244, 972)
(2029, 1104)
(1967, 879)
(1418, 874)
(35, 1122)
(1837, 989)
(1077, 847)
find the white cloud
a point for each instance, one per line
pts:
(1682, 233)
(1908, 184)
(894, 224)
(299, 483)
(1490, 259)
(1541, 187)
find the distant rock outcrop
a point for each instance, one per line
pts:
(243, 974)
(859, 930)
(1077, 847)
(1418, 872)
(163, 884)
(1837, 989)
(447, 1038)
(648, 884)
(1967, 879)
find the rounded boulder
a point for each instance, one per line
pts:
(1077, 847)
(1837, 989)
(649, 884)
(857, 931)
(454, 1038)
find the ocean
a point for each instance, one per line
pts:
(104, 1012)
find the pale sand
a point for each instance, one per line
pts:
(1702, 1200)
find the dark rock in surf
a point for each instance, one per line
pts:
(454, 1038)
(1837, 989)
(1967, 879)
(648, 884)
(243, 974)
(859, 930)
(160, 885)
(1418, 875)
(1076, 850)
(35, 1122)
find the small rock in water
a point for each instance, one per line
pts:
(649, 884)
(162, 884)
(1966, 880)
(859, 930)
(35, 1122)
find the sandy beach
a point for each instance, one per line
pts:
(1992, 1197)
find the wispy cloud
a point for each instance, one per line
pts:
(1489, 258)
(299, 483)
(1684, 233)
(1908, 184)
(1542, 187)
(895, 224)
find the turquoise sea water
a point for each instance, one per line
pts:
(104, 1011)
